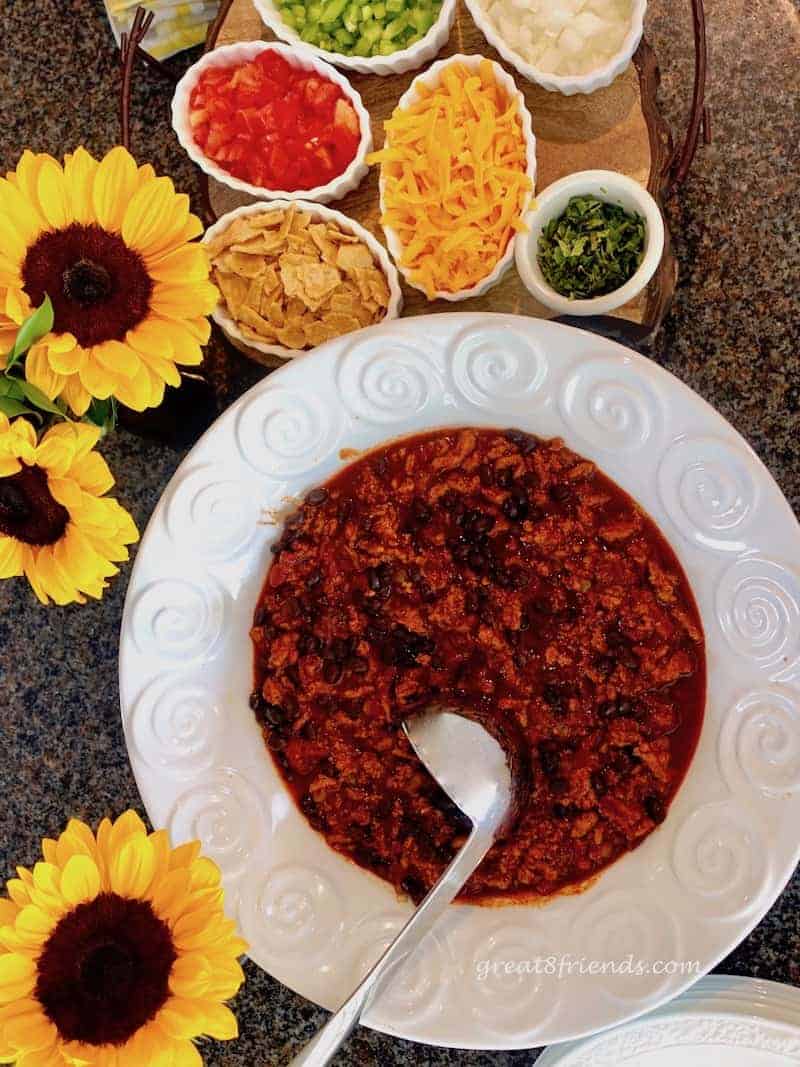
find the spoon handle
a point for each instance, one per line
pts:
(323, 1047)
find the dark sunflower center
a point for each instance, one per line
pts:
(99, 287)
(87, 283)
(104, 970)
(28, 511)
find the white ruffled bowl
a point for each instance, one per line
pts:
(431, 78)
(226, 323)
(614, 188)
(233, 54)
(568, 84)
(404, 59)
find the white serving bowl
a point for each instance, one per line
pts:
(431, 78)
(404, 59)
(233, 54)
(606, 185)
(568, 84)
(226, 323)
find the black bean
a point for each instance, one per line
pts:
(371, 606)
(256, 700)
(484, 523)
(313, 579)
(615, 639)
(605, 664)
(331, 671)
(340, 648)
(373, 579)
(271, 714)
(599, 783)
(317, 496)
(629, 659)
(486, 474)
(414, 887)
(344, 511)
(559, 786)
(420, 511)
(311, 811)
(375, 633)
(477, 560)
(516, 507)
(549, 758)
(504, 477)
(542, 605)
(655, 808)
(308, 644)
(385, 573)
(262, 615)
(525, 442)
(562, 811)
(624, 707)
(560, 493)
(460, 551)
(450, 501)
(554, 696)
(530, 479)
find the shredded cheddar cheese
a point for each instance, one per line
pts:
(455, 182)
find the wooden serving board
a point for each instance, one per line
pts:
(617, 128)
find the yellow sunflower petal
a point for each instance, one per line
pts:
(79, 170)
(34, 924)
(190, 976)
(189, 263)
(39, 372)
(80, 880)
(54, 581)
(184, 1019)
(96, 379)
(117, 358)
(20, 222)
(65, 360)
(177, 1054)
(46, 1057)
(9, 466)
(184, 855)
(55, 454)
(183, 301)
(76, 396)
(205, 874)
(113, 187)
(10, 562)
(31, 1032)
(184, 346)
(140, 391)
(170, 894)
(53, 195)
(8, 911)
(17, 977)
(131, 869)
(18, 892)
(92, 473)
(145, 215)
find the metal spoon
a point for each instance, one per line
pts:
(471, 767)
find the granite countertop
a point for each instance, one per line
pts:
(732, 335)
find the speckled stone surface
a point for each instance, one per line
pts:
(732, 335)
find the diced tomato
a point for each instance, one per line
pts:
(273, 124)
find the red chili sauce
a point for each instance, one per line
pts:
(504, 574)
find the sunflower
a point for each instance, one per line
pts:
(115, 952)
(109, 243)
(56, 527)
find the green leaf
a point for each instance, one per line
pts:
(39, 399)
(11, 407)
(33, 329)
(103, 413)
(10, 387)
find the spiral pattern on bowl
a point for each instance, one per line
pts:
(758, 606)
(383, 380)
(610, 405)
(498, 368)
(282, 432)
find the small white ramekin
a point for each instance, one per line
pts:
(606, 185)
(327, 214)
(233, 54)
(431, 78)
(399, 62)
(568, 84)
